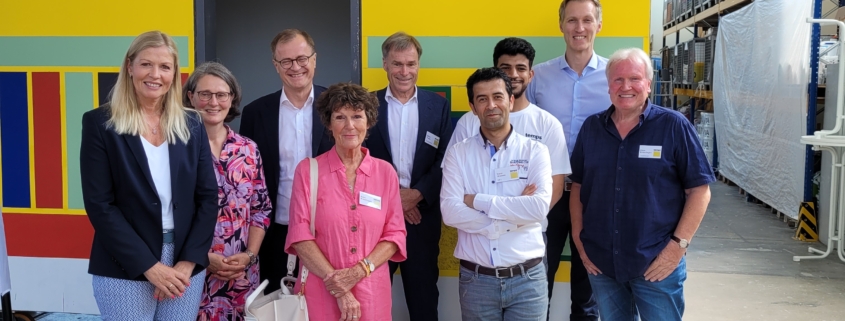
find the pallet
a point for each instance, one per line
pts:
(791, 222)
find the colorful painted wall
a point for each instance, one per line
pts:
(59, 59)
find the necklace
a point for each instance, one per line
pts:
(154, 128)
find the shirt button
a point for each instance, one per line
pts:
(353, 250)
(494, 249)
(354, 229)
(617, 189)
(353, 207)
(494, 182)
(494, 159)
(617, 210)
(616, 231)
(619, 168)
(155, 204)
(614, 252)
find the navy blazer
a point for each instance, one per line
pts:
(426, 174)
(123, 206)
(260, 122)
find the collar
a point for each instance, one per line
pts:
(592, 64)
(646, 112)
(335, 164)
(389, 94)
(308, 102)
(508, 139)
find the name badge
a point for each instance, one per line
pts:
(507, 174)
(651, 151)
(370, 200)
(432, 139)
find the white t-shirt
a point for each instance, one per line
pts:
(158, 158)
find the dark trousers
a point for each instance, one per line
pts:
(273, 261)
(420, 271)
(560, 227)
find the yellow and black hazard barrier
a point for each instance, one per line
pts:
(808, 230)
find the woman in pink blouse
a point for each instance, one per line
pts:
(243, 203)
(359, 223)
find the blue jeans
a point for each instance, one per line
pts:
(487, 298)
(653, 301)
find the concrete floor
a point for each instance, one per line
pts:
(740, 267)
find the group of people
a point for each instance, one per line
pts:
(571, 148)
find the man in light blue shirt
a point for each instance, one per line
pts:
(572, 87)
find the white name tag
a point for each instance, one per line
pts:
(432, 139)
(370, 200)
(507, 174)
(651, 151)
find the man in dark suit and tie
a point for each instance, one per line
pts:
(285, 116)
(412, 133)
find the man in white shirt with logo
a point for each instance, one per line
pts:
(496, 191)
(515, 57)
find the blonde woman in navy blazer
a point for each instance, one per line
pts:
(149, 190)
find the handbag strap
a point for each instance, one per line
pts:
(314, 185)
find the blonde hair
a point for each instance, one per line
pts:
(126, 116)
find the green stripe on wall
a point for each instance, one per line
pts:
(477, 52)
(79, 88)
(72, 51)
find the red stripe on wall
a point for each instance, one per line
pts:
(184, 78)
(47, 126)
(41, 235)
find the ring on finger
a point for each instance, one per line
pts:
(332, 292)
(170, 286)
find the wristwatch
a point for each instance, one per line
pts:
(252, 258)
(370, 265)
(683, 243)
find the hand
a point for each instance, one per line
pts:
(237, 262)
(665, 263)
(168, 281)
(413, 216)
(529, 190)
(588, 265)
(339, 282)
(223, 268)
(469, 199)
(350, 309)
(186, 268)
(410, 198)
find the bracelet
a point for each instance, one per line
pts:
(366, 268)
(252, 258)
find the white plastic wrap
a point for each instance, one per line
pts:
(760, 77)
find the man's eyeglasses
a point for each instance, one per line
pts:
(221, 96)
(302, 61)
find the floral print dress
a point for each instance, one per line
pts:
(242, 202)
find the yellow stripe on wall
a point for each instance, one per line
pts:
(95, 17)
(63, 97)
(31, 135)
(494, 18)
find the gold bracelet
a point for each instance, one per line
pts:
(366, 268)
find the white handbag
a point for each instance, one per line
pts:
(282, 305)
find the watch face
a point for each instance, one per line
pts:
(683, 243)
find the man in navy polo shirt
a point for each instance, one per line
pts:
(640, 191)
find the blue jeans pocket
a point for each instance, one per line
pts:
(466, 275)
(538, 272)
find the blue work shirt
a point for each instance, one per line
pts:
(632, 189)
(559, 90)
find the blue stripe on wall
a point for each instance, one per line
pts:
(15, 139)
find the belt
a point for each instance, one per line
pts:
(505, 272)
(168, 236)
